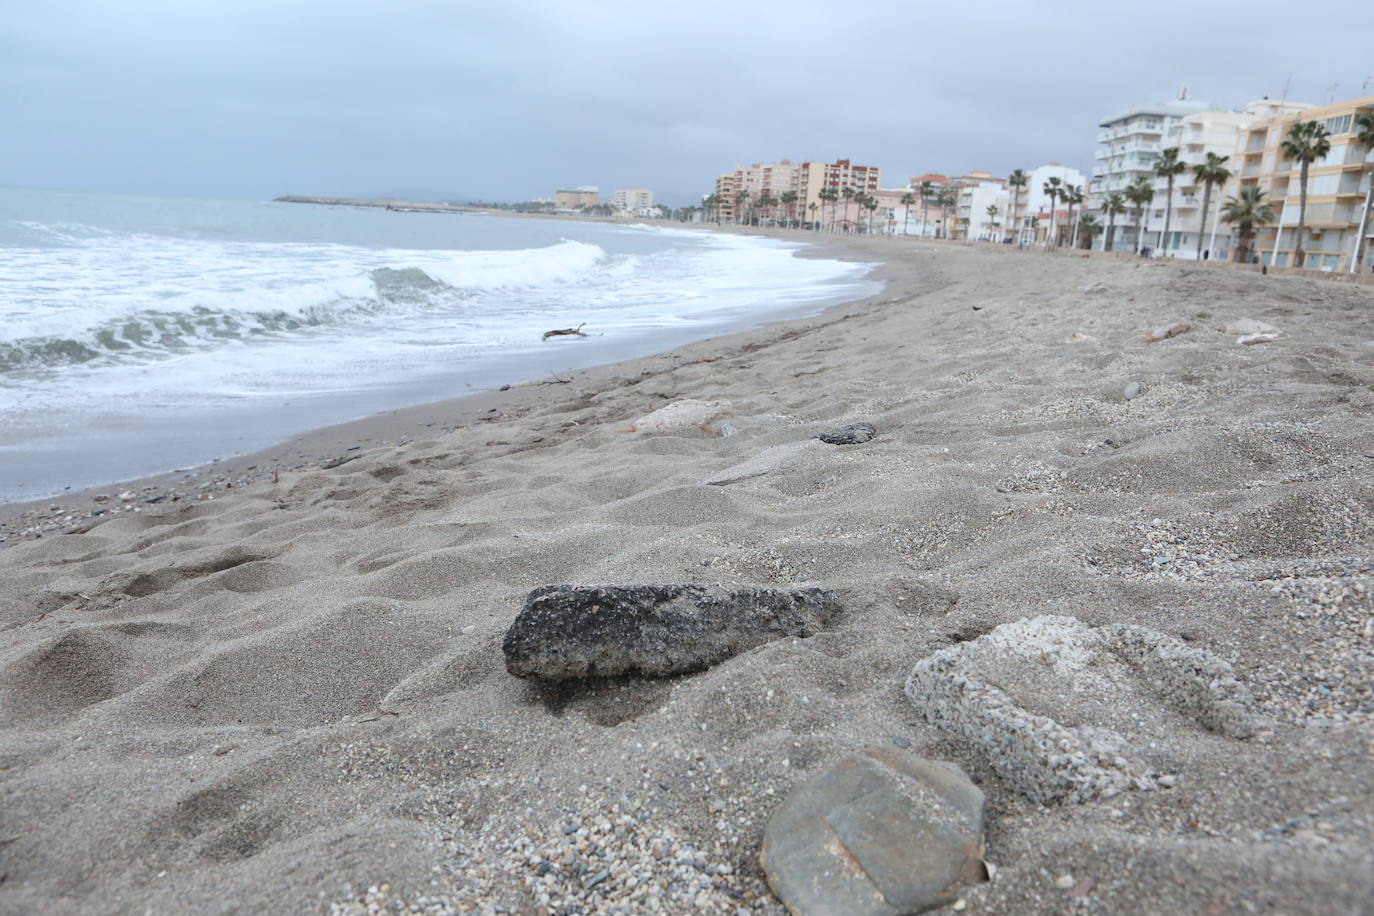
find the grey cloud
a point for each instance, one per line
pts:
(511, 100)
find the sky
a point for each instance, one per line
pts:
(512, 100)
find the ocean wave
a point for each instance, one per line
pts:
(166, 315)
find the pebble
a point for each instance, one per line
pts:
(1064, 881)
(1132, 391)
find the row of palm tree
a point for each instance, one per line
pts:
(1305, 143)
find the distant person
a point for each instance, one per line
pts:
(1206, 253)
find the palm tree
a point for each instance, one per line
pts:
(1140, 192)
(1307, 141)
(1052, 190)
(1017, 180)
(948, 199)
(847, 193)
(1088, 227)
(741, 199)
(766, 202)
(1113, 205)
(1073, 196)
(1168, 167)
(829, 195)
(1210, 172)
(789, 199)
(1363, 134)
(1247, 210)
(927, 191)
(815, 226)
(869, 203)
(992, 219)
(907, 200)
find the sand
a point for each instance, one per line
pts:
(282, 697)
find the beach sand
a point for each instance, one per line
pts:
(293, 697)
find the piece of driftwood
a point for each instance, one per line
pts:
(566, 332)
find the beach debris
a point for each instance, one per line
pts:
(853, 434)
(680, 415)
(879, 833)
(1097, 286)
(1131, 391)
(1165, 331)
(571, 632)
(566, 332)
(1080, 337)
(1251, 331)
(1125, 687)
(770, 459)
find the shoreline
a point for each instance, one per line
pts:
(76, 508)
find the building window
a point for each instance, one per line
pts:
(1338, 125)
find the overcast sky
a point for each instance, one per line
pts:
(511, 99)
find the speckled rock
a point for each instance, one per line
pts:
(853, 434)
(568, 632)
(1126, 689)
(879, 833)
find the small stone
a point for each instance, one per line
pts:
(879, 833)
(1132, 391)
(901, 742)
(1064, 881)
(854, 434)
(1165, 331)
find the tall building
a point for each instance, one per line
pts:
(977, 191)
(812, 177)
(635, 200)
(1128, 146)
(1195, 136)
(805, 179)
(1034, 215)
(578, 198)
(1336, 187)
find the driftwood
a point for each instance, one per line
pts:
(566, 332)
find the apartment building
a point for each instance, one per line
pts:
(1034, 215)
(1195, 136)
(977, 191)
(638, 201)
(725, 190)
(805, 179)
(1336, 187)
(1128, 145)
(577, 198)
(813, 177)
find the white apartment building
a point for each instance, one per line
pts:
(1033, 208)
(978, 191)
(1196, 135)
(1128, 145)
(634, 200)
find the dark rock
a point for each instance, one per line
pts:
(879, 833)
(567, 631)
(853, 434)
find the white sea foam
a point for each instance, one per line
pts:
(105, 322)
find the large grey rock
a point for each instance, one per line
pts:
(1064, 711)
(567, 632)
(880, 833)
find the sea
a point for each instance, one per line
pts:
(144, 334)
